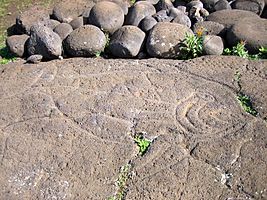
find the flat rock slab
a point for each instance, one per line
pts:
(66, 129)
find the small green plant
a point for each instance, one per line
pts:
(6, 55)
(238, 50)
(192, 46)
(132, 1)
(263, 53)
(246, 104)
(142, 143)
(121, 182)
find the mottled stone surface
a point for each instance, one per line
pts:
(66, 126)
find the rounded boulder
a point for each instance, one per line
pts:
(213, 45)
(66, 11)
(107, 15)
(85, 41)
(251, 31)
(255, 6)
(164, 39)
(16, 44)
(63, 30)
(127, 42)
(230, 17)
(139, 11)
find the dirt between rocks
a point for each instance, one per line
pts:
(66, 129)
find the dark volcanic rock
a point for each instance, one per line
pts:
(66, 11)
(107, 15)
(139, 11)
(126, 42)
(230, 17)
(164, 5)
(45, 42)
(27, 19)
(209, 28)
(16, 44)
(79, 44)
(222, 5)
(63, 30)
(213, 45)
(209, 4)
(66, 129)
(255, 6)
(162, 16)
(34, 59)
(148, 23)
(163, 40)
(251, 31)
(50, 23)
(182, 19)
(77, 22)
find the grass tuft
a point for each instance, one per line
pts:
(246, 104)
(142, 143)
(121, 182)
(191, 46)
(6, 55)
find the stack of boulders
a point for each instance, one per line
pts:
(148, 28)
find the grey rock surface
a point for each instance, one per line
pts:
(255, 6)
(222, 5)
(78, 43)
(164, 39)
(66, 129)
(45, 42)
(16, 44)
(213, 45)
(107, 15)
(66, 11)
(182, 19)
(127, 42)
(34, 59)
(251, 31)
(230, 17)
(209, 28)
(27, 19)
(139, 11)
(148, 23)
(77, 22)
(63, 30)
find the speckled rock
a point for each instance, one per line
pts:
(126, 42)
(107, 16)
(139, 11)
(255, 6)
(213, 45)
(16, 44)
(63, 30)
(31, 16)
(79, 44)
(45, 42)
(163, 40)
(252, 31)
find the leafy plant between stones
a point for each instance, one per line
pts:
(121, 182)
(6, 55)
(98, 53)
(192, 46)
(241, 51)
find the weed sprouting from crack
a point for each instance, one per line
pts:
(246, 104)
(244, 100)
(122, 182)
(142, 143)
